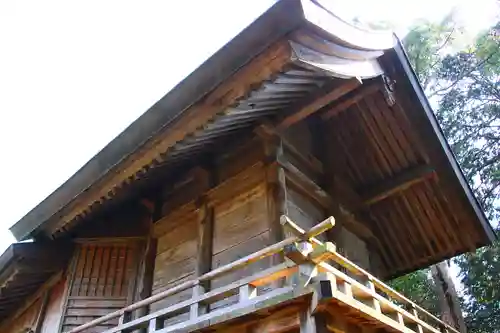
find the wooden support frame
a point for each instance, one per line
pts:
(318, 101)
(398, 183)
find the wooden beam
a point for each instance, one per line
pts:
(351, 99)
(317, 102)
(311, 189)
(398, 183)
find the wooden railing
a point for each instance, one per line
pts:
(311, 262)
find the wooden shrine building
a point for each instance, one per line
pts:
(272, 190)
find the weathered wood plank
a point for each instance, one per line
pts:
(239, 219)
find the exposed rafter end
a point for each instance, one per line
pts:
(398, 183)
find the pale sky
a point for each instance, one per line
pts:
(74, 74)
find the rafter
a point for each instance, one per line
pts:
(317, 102)
(398, 183)
(351, 99)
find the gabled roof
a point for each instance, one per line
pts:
(292, 53)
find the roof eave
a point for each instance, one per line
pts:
(453, 167)
(280, 19)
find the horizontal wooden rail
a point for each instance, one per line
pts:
(393, 294)
(276, 272)
(355, 269)
(242, 262)
(304, 251)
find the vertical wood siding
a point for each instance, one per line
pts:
(102, 282)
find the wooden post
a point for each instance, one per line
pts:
(154, 325)
(205, 238)
(196, 308)
(147, 262)
(310, 323)
(375, 302)
(325, 286)
(276, 192)
(276, 188)
(204, 258)
(205, 241)
(418, 328)
(247, 292)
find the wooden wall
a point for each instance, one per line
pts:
(243, 216)
(239, 223)
(176, 253)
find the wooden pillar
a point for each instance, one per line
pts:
(312, 323)
(206, 179)
(147, 262)
(276, 191)
(204, 258)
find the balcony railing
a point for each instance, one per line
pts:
(310, 269)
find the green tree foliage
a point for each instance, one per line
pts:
(469, 111)
(420, 288)
(479, 273)
(464, 88)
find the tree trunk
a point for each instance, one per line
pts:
(449, 303)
